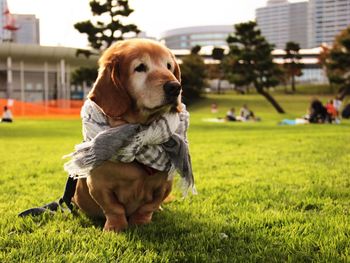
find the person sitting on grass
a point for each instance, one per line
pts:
(331, 110)
(245, 114)
(337, 103)
(7, 115)
(230, 115)
(318, 113)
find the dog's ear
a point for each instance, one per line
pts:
(177, 72)
(109, 93)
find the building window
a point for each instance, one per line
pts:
(29, 86)
(39, 86)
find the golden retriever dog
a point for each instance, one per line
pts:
(138, 81)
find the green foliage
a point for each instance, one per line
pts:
(84, 74)
(250, 61)
(292, 64)
(218, 53)
(267, 193)
(103, 33)
(193, 74)
(338, 62)
(216, 71)
(195, 50)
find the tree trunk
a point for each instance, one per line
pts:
(293, 84)
(221, 75)
(270, 99)
(343, 92)
(219, 86)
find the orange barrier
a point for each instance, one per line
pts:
(49, 109)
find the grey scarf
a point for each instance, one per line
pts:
(162, 145)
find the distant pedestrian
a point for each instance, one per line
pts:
(7, 115)
(214, 108)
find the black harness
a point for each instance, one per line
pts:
(64, 203)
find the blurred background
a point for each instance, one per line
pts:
(49, 49)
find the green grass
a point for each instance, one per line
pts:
(267, 193)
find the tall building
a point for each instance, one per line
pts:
(28, 29)
(188, 37)
(18, 28)
(326, 19)
(281, 21)
(273, 21)
(298, 23)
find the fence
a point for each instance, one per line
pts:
(48, 109)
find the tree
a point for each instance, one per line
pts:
(292, 64)
(323, 58)
(338, 63)
(102, 33)
(249, 61)
(84, 75)
(193, 74)
(218, 54)
(323, 61)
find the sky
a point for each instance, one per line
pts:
(57, 17)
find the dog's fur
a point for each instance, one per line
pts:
(130, 88)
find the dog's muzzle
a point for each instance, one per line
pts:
(172, 90)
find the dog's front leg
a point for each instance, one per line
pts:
(144, 214)
(113, 210)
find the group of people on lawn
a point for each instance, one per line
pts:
(329, 113)
(317, 113)
(245, 114)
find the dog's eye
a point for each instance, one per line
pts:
(168, 66)
(141, 68)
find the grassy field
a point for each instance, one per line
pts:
(267, 193)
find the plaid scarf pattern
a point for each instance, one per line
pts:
(162, 145)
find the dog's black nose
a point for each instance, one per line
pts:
(172, 89)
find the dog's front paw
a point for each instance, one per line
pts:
(140, 219)
(115, 224)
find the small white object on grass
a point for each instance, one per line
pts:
(213, 120)
(223, 235)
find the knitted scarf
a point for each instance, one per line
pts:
(161, 145)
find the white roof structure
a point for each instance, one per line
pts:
(37, 53)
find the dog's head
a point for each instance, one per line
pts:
(137, 77)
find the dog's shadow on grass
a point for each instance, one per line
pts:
(167, 223)
(192, 236)
(182, 231)
(181, 234)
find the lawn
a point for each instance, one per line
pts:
(267, 193)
